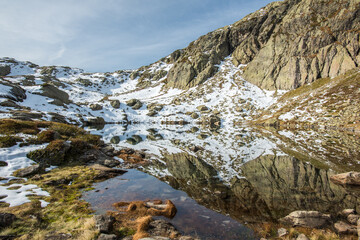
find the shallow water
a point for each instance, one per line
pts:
(232, 179)
(191, 217)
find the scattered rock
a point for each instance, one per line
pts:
(104, 223)
(49, 90)
(3, 164)
(346, 212)
(96, 107)
(103, 236)
(111, 162)
(349, 178)
(195, 115)
(310, 219)
(302, 237)
(94, 121)
(106, 172)
(115, 103)
(137, 106)
(162, 228)
(115, 140)
(131, 102)
(27, 116)
(6, 219)
(353, 218)
(28, 171)
(282, 232)
(202, 108)
(58, 236)
(151, 113)
(108, 150)
(344, 228)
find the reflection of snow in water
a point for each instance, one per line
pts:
(226, 149)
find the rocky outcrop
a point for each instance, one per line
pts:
(285, 45)
(14, 93)
(51, 91)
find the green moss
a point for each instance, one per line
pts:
(9, 141)
(67, 130)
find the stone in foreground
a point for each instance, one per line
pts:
(349, 178)
(310, 219)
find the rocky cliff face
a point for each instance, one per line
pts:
(284, 45)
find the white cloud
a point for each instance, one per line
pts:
(105, 35)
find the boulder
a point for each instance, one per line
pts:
(344, 228)
(310, 219)
(14, 92)
(6, 219)
(103, 236)
(137, 105)
(353, 218)
(115, 140)
(94, 121)
(302, 237)
(50, 91)
(282, 232)
(202, 108)
(96, 107)
(195, 115)
(28, 171)
(131, 102)
(349, 178)
(111, 162)
(5, 70)
(115, 103)
(104, 223)
(151, 113)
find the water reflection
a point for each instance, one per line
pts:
(252, 175)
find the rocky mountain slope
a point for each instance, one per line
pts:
(231, 75)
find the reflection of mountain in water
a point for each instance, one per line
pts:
(273, 187)
(250, 175)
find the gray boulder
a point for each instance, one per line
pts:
(96, 107)
(104, 223)
(115, 103)
(50, 91)
(310, 219)
(28, 171)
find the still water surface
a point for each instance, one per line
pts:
(227, 182)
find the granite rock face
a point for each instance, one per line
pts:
(285, 45)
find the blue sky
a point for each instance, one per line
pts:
(108, 35)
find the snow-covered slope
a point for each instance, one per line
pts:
(79, 97)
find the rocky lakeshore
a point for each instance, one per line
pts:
(252, 131)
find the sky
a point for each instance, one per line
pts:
(109, 35)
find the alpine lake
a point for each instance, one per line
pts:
(227, 182)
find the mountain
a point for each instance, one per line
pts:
(292, 63)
